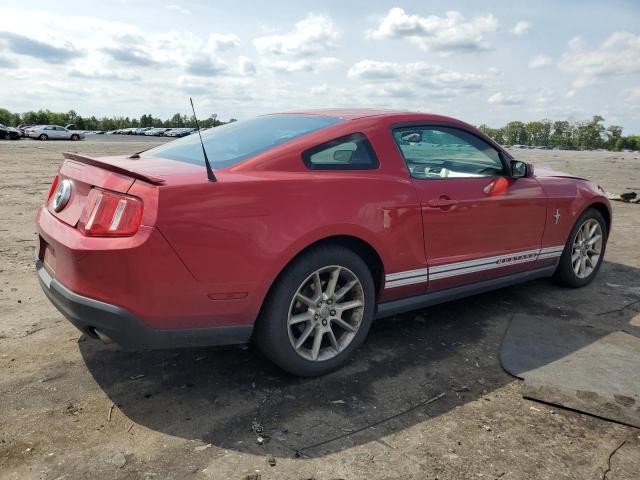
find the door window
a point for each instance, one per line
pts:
(443, 152)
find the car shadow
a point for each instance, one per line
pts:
(232, 397)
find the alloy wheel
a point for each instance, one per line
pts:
(586, 248)
(325, 313)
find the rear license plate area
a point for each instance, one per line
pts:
(47, 255)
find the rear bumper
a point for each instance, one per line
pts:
(125, 329)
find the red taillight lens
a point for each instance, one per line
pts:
(110, 214)
(53, 187)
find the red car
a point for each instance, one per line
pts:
(301, 228)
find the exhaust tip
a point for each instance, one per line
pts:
(103, 338)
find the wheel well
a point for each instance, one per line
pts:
(360, 247)
(602, 208)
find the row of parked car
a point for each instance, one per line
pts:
(9, 133)
(41, 132)
(152, 131)
(70, 132)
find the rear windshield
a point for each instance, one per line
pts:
(234, 142)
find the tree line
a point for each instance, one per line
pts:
(561, 133)
(47, 117)
(590, 134)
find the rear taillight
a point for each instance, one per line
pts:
(53, 187)
(110, 214)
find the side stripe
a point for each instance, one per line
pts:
(407, 274)
(407, 281)
(422, 275)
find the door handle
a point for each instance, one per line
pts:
(442, 202)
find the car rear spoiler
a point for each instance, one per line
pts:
(112, 167)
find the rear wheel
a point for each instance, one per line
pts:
(43, 137)
(584, 250)
(75, 137)
(318, 312)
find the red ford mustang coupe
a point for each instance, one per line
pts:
(300, 228)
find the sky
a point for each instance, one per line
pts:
(483, 62)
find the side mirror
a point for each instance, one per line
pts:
(520, 169)
(342, 156)
(411, 137)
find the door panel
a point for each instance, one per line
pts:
(480, 228)
(479, 222)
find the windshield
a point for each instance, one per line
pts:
(236, 141)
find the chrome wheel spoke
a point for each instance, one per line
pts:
(317, 285)
(344, 290)
(306, 300)
(333, 281)
(576, 266)
(303, 338)
(594, 239)
(341, 307)
(333, 341)
(346, 326)
(301, 317)
(317, 342)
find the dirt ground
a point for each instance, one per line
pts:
(72, 408)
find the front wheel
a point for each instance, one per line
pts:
(584, 250)
(75, 137)
(43, 137)
(319, 311)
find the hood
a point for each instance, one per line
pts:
(544, 172)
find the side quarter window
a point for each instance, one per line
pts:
(352, 152)
(442, 152)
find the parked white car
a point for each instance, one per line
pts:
(53, 132)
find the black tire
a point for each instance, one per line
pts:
(271, 333)
(75, 137)
(44, 137)
(564, 274)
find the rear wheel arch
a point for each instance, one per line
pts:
(356, 244)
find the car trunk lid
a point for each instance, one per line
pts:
(84, 177)
(118, 174)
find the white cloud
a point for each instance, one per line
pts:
(312, 35)
(303, 65)
(222, 41)
(246, 67)
(618, 55)
(102, 74)
(448, 34)
(633, 94)
(520, 28)
(178, 9)
(500, 98)
(418, 73)
(540, 61)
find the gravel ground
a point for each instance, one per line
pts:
(429, 382)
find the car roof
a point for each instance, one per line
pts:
(359, 113)
(347, 113)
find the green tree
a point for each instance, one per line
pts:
(538, 133)
(614, 133)
(515, 133)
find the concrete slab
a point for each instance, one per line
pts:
(575, 366)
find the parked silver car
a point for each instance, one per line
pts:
(53, 132)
